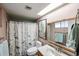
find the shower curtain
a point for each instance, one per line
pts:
(22, 36)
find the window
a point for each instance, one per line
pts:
(57, 25)
(66, 23)
(63, 24)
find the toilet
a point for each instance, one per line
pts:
(33, 50)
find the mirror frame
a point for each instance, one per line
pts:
(39, 36)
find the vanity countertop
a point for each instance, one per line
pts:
(47, 50)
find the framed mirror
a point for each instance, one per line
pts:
(59, 34)
(42, 29)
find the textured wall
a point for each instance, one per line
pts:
(3, 31)
(3, 24)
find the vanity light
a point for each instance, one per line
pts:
(49, 8)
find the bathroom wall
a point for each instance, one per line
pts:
(3, 20)
(3, 33)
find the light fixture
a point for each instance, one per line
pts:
(28, 7)
(49, 8)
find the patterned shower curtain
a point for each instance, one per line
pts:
(22, 35)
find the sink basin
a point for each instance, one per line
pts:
(47, 50)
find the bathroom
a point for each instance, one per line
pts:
(27, 30)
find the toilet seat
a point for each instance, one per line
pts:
(32, 51)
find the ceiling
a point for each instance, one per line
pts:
(20, 10)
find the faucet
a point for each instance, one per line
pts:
(58, 49)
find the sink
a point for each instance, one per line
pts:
(47, 50)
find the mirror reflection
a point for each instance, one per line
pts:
(42, 28)
(61, 32)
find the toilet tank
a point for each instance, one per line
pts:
(38, 44)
